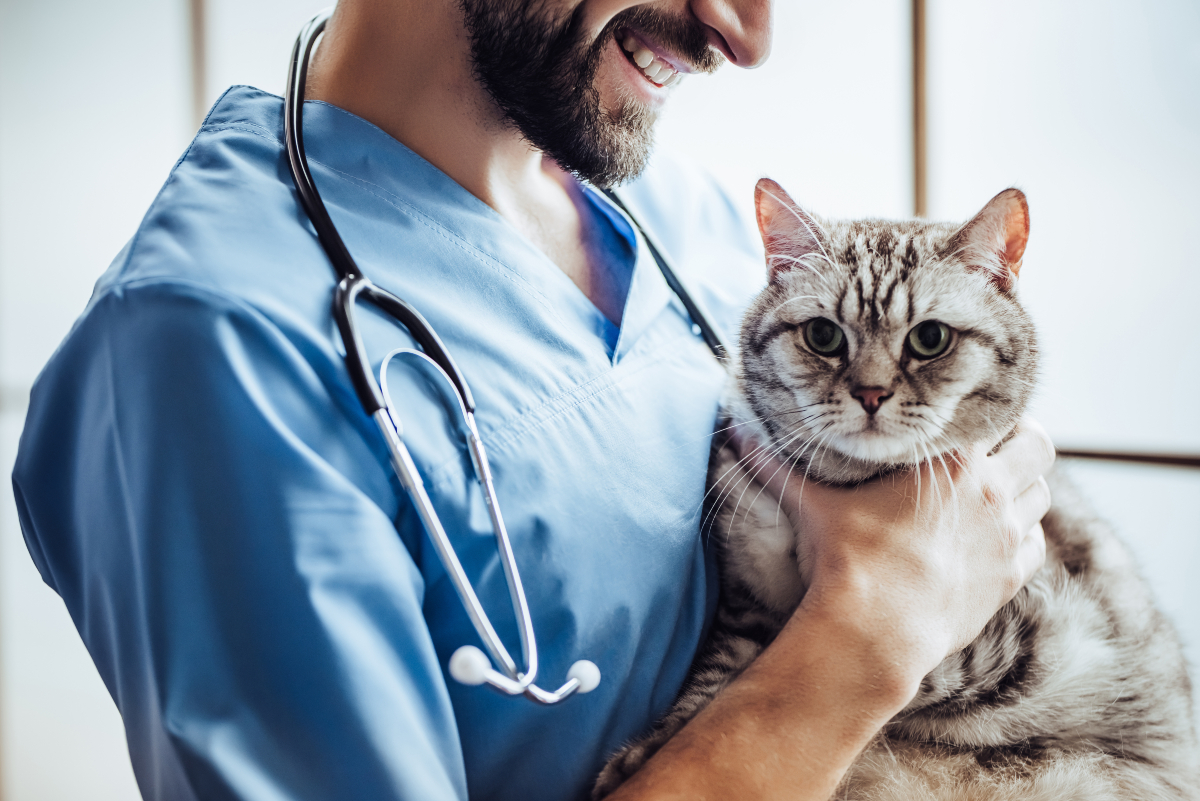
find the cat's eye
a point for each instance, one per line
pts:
(824, 336)
(929, 339)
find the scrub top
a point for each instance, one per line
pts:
(199, 483)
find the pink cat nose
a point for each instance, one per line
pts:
(871, 398)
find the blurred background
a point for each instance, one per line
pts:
(1093, 108)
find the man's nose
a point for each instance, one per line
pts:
(741, 29)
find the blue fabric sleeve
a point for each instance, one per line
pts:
(247, 598)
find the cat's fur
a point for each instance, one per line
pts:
(1076, 689)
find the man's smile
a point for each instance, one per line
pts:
(659, 68)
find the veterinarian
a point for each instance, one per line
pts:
(200, 484)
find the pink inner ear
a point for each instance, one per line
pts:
(1016, 231)
(994, 240)
(788, 233)
(769, 204)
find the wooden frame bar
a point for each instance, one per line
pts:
(919, 121)
(198, 38)
(1162, 459)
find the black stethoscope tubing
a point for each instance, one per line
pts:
(468, 664)
(351, 282)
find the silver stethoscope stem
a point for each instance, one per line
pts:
(468, 664)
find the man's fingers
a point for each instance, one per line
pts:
(1032, 504)
(1031, 554)
(1024, 458)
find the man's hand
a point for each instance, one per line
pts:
(917, 562)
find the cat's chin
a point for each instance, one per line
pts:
(883, 448)
(832, 467)
(853, 460)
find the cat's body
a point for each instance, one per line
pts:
(1076, 689)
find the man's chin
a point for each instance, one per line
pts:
(615, 157)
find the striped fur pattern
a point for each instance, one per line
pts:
(1076, 689)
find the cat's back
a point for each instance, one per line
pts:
(1148, 712)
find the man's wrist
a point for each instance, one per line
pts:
(875, 673)
(791, 724)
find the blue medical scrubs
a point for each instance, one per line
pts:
(199, 483)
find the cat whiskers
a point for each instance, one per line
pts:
(763, 445)
(768, 449)
(772, 451)
(929, 414)
(804, 478)
(949, 479)
(716, 485)
(790, 462)
(925, 452)
(797, 410)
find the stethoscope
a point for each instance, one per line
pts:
(468, 664)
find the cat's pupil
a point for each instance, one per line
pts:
(823, 334)
(930, 335)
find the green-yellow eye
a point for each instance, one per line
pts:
(824, 336)
(929, 339)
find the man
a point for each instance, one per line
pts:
(199, 483)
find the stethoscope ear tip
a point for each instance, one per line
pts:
(469, 665)
(587, 673)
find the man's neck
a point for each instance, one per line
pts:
(405, 66)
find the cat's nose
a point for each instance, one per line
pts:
(871, 398)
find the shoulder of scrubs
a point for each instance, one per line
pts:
(198, 482)
(708, 235)
(235, 576)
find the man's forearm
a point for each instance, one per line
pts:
(788, 727)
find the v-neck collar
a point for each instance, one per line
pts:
(369, 156)
(648, 290)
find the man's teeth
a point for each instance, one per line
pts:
(653, 68)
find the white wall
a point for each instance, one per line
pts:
(249, 42)
(1094, 110)
(827, 116)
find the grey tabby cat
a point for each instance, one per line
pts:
(882, 345)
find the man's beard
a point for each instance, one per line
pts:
(540, 71)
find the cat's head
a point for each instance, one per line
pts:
(879, 344)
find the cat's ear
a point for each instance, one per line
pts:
(789, 233)
(995, 238)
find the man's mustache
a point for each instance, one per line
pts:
(683, 37)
